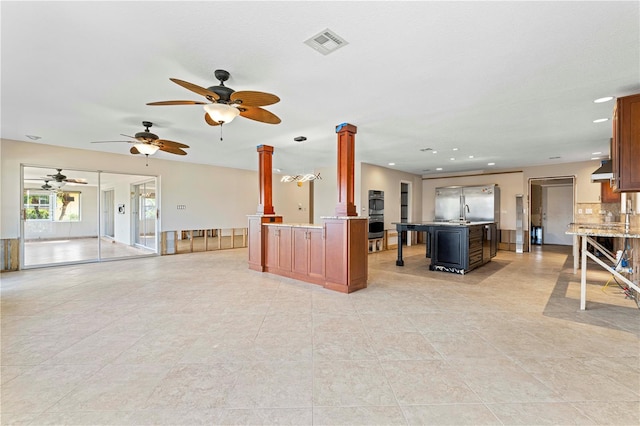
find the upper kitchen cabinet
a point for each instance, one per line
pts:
(625, 150)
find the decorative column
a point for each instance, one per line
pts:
(265, 179)
(346, 166)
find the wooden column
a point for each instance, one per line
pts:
(346, 173)
(265, 179)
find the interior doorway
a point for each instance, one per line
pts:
(405, 210)
(551, 202)
(108, 213)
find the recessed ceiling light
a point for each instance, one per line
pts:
(596, 153)
(455, 149)
(491, 164)
(600, 120)
(471, 156)
(605, 99)
(595, 158)
(392, 164)
(452, 159)
(438, 168)
(277, 170)
(435, 152)
(34, 137)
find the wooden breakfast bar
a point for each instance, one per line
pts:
(332, 254)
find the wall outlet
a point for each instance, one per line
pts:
(579, 211)
(589, 211)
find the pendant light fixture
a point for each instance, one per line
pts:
(303, 177)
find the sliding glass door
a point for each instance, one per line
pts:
(78, 216)
(146, 215)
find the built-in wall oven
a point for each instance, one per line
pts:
(376, 214)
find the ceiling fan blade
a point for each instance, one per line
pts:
(259, 114)
(171, 144)
(210, 121)
(127, 136)
(134, 150)
(197, 89)
(82, 181)
(254, 99)
(177, 103)
(172, 150)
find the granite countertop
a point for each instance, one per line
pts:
(612, 229)
(294, 225)
(436, 223)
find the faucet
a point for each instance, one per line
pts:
(627, 216)
(465, 210)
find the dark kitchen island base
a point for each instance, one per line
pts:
(455, 247)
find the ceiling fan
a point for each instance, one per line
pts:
(148, 143)
(60, 178)
(225, 104)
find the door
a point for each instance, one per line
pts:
(59, 216)
(557, 213)
(108, 213)
(145, 215)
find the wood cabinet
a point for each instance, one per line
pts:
(333, 255)
(607, 195)
(278, 253)
(625, 150)
(308, 254)
(346, 251)
(256, 242)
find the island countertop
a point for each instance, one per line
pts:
(612, 229)
(436, 223)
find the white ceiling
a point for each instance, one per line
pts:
(508, 82)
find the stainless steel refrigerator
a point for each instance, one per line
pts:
(473, 203)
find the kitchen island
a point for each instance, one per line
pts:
(455, 246)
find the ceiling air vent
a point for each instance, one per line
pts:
(326, 41)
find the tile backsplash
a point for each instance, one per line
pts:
(597, 212)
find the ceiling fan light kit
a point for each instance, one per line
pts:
(222, 113)
(146, 149)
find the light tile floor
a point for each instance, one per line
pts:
(200, 339)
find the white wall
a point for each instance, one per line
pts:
(325, 194)
(388, 180)
(219, 197)
(512, 183)
(215, 197)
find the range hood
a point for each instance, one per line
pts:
(603, 173)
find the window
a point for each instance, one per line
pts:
(62, 206)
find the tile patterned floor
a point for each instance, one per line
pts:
(200, 339)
